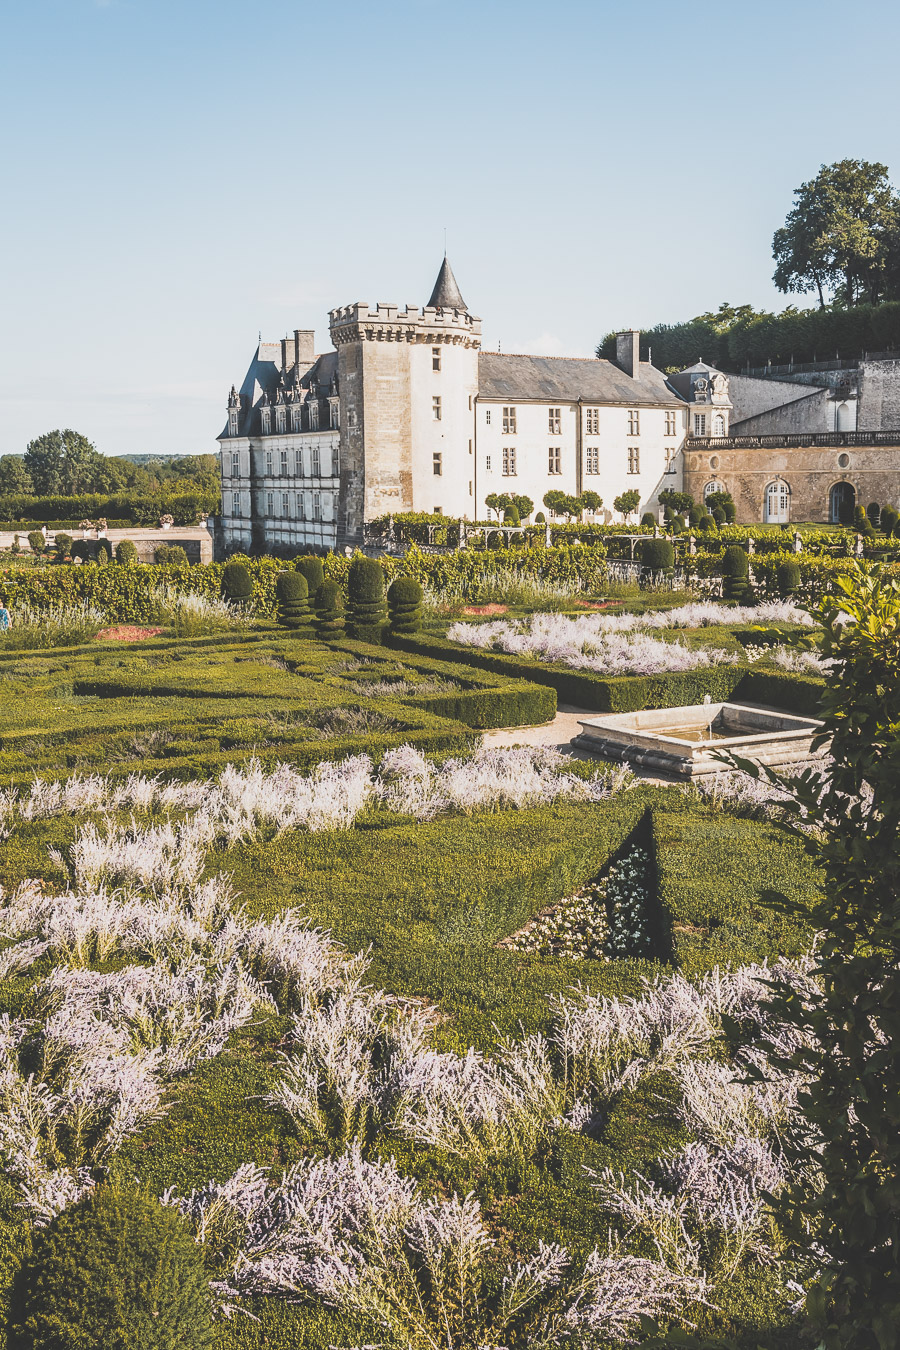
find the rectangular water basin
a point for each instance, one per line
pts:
(684, 742)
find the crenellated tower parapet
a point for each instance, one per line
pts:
(432, 325)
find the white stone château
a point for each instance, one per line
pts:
(409, 414)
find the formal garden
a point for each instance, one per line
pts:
(421, 1043)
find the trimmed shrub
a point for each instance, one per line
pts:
(511, 516)
(312, 570)
(705, 523)
(678, 524)
(405, 597)
(237, 584)
(365, 588)
(735, 572)
(788, 577)
(648, 520)
(126, 553)
(495, 539)
(873, 512)
(292, 594)
(92, 551)
(719, 516)
(861, 521)
(117, 1270)
(329, 604)
(889, 519)
(36, 541)
(658, 554)
(540, 518)
(64, 545)
(170, 555)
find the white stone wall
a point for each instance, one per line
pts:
(280, 523)
(452, 436)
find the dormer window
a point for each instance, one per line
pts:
(233, 422)
(335, 409)
(314, 416)
(280, 419)
(265, 416)
(296, 423)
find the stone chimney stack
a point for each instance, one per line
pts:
(304, 347)
(287, 353)
(628, 352)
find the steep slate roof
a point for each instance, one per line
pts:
(567, 378)
(446, 293)
(263, 377)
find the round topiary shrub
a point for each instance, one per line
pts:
(64, 545)
(678, 524)
(117, 1270)
(292, 595)
(719, 516)
(730, 511)
(126, 553)
(788, 577)
(540, 518)
(648, 520)
(405, 597)
(36, 541)
(237, 584)
(365, 592)
(105, 551)
(861, 521)
(312, 570)
(694, 515)
(735, 573)
(169, 555)
(495, 539)
(329, 604)
(706, 523)
(658, 555)
(511, 516)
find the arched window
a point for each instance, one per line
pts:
(718, 425)
(778, 503)
(714, 486)
(841, 503)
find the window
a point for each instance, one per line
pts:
(280, 419)
(718, 425)
(778, 503)
(714, 486)
(554, 455)
(509, 461)
(301, 504)
(298, 463)
(283, 463)
(470, 487)
(487, 463)
(314, 416)
(634, 422)
(592, 459)
(335, 415)
(268, 461)
(435, 358)
(235, 464)
(670, 424)
(285, 504)
(270, 504)
(436, 407)
(554, 421)
(296, 423)
(437, 463)
(438, 511)
(487, 417)
(634, 459)
(233, 423)
(265, 417)
(699, 424)
(509, 421)
(671, 452)
(317, 506)
(592, 421)
(316, 462)
(236, 504)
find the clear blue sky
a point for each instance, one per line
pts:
(180, 174)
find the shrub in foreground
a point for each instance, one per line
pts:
(237, 584)
(405, 597)
(329, 609)
(788, 578)
(313, 572)
(365, 587)
(293, 599)
(735, 573)
(658, 554)
(126, 553)
(170, 555)
(117, 1270)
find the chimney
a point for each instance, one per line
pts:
(628, 352)
(304, 347)
(287, 354)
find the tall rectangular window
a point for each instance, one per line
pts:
(555, 459)
(280, 419)
(268, 461)
(435, 358)
(487, 417)
(236, 504)
(270, 504)
(671, 452)
(301, 505)
(317, 506)
(634, 459)
(634, 422)
(298, 463)
(314, 415)
(436, 407)
(285, 504)
(316, 462)
(487, 463)
(284, 461)
(670, 424)
(296, 422)
(699, 424)
(592, 459)
(509, 421)
(554, 421)
(235, 464)
(509, 461)
(437, 464)
(592, 421)
(232, 423)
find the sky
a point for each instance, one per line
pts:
(181, 175)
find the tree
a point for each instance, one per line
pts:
(628, 502)
(14, 477)
(63, 463)
(839, 234)
(492, 502)
(524, 505)
(677, 502)
(562, 503)
(590, 501)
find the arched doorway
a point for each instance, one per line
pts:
(718, 428)
(778, 503)
(845, 418)
(841, 504)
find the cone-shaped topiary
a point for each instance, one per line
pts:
(719, 516)
(329, 604)
(648, 520)
(365, 590)
(311, 568)
(126, 552)
(511, 516)
(405, 597)
(293, 600)
(658, 554)
(788, 578)
(117, 1270)
(237, 584)
(678, 524)
(735, 573)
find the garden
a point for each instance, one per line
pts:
(421, 1043)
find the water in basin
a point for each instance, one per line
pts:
(694, 733)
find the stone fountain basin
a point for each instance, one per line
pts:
(684, 742)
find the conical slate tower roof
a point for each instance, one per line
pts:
(446, 292)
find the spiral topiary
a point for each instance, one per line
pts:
(292, 595)
(311, 568)
(365, 592)
(237, 584)
(405, 597)
(329, 604)
(735, 573)
(788, 577)
(658, 555)
(116, 1270)
(126, 552)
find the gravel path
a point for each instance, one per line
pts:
(557, 734)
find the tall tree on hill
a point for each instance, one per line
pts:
(14, 477)
(838, 236)
(63, 463)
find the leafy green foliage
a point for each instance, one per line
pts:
(117, 1270)
(126, 552)
(658, 554)
(788, 577)
(237, 585)
(36, 541)
(311, 568)
(627, 502)
(170, 555)
(62, 461)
